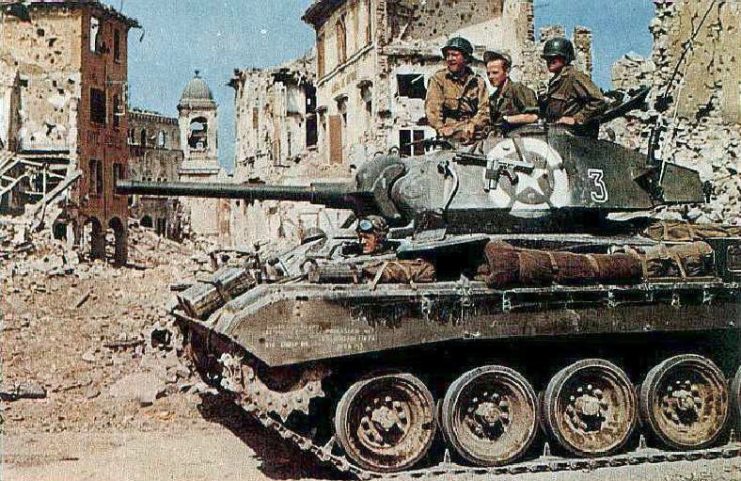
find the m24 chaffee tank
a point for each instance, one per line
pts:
(549, 336)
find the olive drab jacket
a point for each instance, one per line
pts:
(512, 99)
(457, 101)
(572, 93)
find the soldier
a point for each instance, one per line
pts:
(572, 99)
(512, 104)
(372, 231)
(457, 104)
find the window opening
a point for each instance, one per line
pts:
(116, 45)
(410, 142)
(94, 35)
(342, 40)
(97, 106)
(411, 86)
(117, 111)
(198, 134)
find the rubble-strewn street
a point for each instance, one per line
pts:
(91, 340)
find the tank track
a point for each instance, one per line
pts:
(546, 463)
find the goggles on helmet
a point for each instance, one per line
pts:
(366, 226)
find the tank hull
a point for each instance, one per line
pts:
(290, 324)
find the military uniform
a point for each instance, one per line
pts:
(571, 93)
(460, 100)
(513, 98)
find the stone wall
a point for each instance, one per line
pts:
(695, 104)
(275, 117)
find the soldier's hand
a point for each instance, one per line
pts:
(566, 121)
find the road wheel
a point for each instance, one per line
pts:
(387, 423)
(684, 400)
(736, 397)
(490, 415)
(590, 408)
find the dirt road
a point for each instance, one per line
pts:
(218, 454)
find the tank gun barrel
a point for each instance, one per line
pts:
(334, 195)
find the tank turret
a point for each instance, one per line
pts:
(539, 179)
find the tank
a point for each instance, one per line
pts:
(535, 321)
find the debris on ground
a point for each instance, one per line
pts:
(87, 345)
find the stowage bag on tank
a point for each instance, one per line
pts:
(683, 260)
(683, 231)
(400, 271)
(508, 265)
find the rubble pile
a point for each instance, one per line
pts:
(90, 346)
(694, 100)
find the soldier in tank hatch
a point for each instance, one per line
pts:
(372, 231)
(457, 103)
(512, 104)
(572, 99)
(372, 235)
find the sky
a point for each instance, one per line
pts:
(217, 36)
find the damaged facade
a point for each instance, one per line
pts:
(155, 156)
(63, 122)
(361, 92)
(276, 143)
(694, 106)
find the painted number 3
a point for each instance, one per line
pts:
(600, 194)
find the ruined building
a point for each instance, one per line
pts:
(276, 115)
(361, 92)
(63, 122)
(695, 106)
(374, 58)
(155, 155)
(276, 142)
(199, 135)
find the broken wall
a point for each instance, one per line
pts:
(422, 19)
(47, 56)
(275, 117)
(695, 106)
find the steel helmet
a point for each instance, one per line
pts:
(373, 224)
(559, 47)
(460, 44)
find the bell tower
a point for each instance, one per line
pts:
(199, 129)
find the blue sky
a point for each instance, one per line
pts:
(217, 36)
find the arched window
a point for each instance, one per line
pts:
(198, 134)
(161, 139)
(143, 138)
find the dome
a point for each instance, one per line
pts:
(196, 90)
